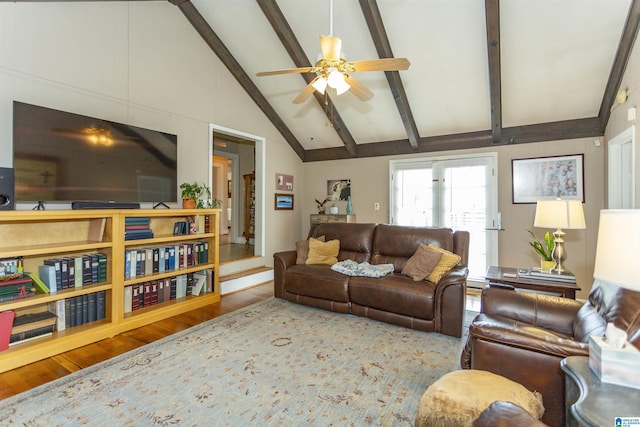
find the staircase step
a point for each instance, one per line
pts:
(244, 279)
(244, 273)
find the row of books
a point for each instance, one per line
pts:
(158, 291)
(70, 272)
(61, 314)
(79, 310)
(31, 326)
(17, 288)
(136, 228)
(538, 273)
(146, 261)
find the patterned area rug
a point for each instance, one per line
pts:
(274, 363)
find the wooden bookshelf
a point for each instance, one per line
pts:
(37, 235)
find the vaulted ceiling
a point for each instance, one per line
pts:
(483, 73)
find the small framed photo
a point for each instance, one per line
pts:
(547, 178)
(283, 202)
(284, 182)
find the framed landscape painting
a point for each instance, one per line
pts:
(547, 178)
(284, 202)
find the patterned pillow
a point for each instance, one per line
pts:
(447, 262)
(323, 252)
(420, 265)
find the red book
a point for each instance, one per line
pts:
(6, 323)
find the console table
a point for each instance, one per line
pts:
(509, 276)
(592, 403)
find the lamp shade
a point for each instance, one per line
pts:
(618, 248)
(559, 214)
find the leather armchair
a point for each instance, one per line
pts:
(524, 336)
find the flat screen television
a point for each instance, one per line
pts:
(65, 157)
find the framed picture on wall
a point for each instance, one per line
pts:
(283, 202)
(547, 178)
(284, 182)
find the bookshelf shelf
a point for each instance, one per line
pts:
(47, 298)
(37, 235)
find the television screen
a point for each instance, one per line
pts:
(60, 156)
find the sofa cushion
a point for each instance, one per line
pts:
(395, 244)
(420, 265)
(317, 281)
(446, 263)
(356, 239)
(323, 252)
(395, 294)
(302, 250)
(459, 397)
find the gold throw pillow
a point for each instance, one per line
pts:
(447, 262)
(323, 253)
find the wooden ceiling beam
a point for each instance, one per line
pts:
(378, 33)
(555, 131)
(216, 45)
(492, 17)
(284, 32)
(629, 35)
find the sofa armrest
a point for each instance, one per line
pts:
(281, 261)
(451, 293)
(505, 331)
(545, 311)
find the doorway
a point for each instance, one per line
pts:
(234, 154)
(455, 192)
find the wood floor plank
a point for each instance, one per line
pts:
(26, 377)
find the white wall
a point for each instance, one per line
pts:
(139, 63)
(618, 121)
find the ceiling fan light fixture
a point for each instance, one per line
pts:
(320, 85)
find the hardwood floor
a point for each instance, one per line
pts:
(30, 376)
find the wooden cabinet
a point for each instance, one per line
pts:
(328, 218)
(249, 206)
(325, 218)
(39, 235)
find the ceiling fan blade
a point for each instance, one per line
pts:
(286, 71)
(358, 89)
(331, 47)
(306, 92)
(386, 64)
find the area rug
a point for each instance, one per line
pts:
(273, 363)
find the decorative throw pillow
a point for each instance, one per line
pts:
(323, 253)
(459, 397)
(420, 265)
(302, 250)
(447, 262)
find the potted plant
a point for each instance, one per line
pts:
(544, 250)
(197, 196)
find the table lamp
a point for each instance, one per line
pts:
(559, 214)
(618, 248)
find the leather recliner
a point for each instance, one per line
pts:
(523, 336)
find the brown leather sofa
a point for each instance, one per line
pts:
(394, 298)
(524, 336)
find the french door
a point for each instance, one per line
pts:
(457, 192)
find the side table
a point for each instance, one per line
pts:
(592, 403)
(509, 276)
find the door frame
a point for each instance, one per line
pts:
(614, 163)
(492, 214)
(260, 167)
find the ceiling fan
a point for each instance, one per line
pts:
(333, 70)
